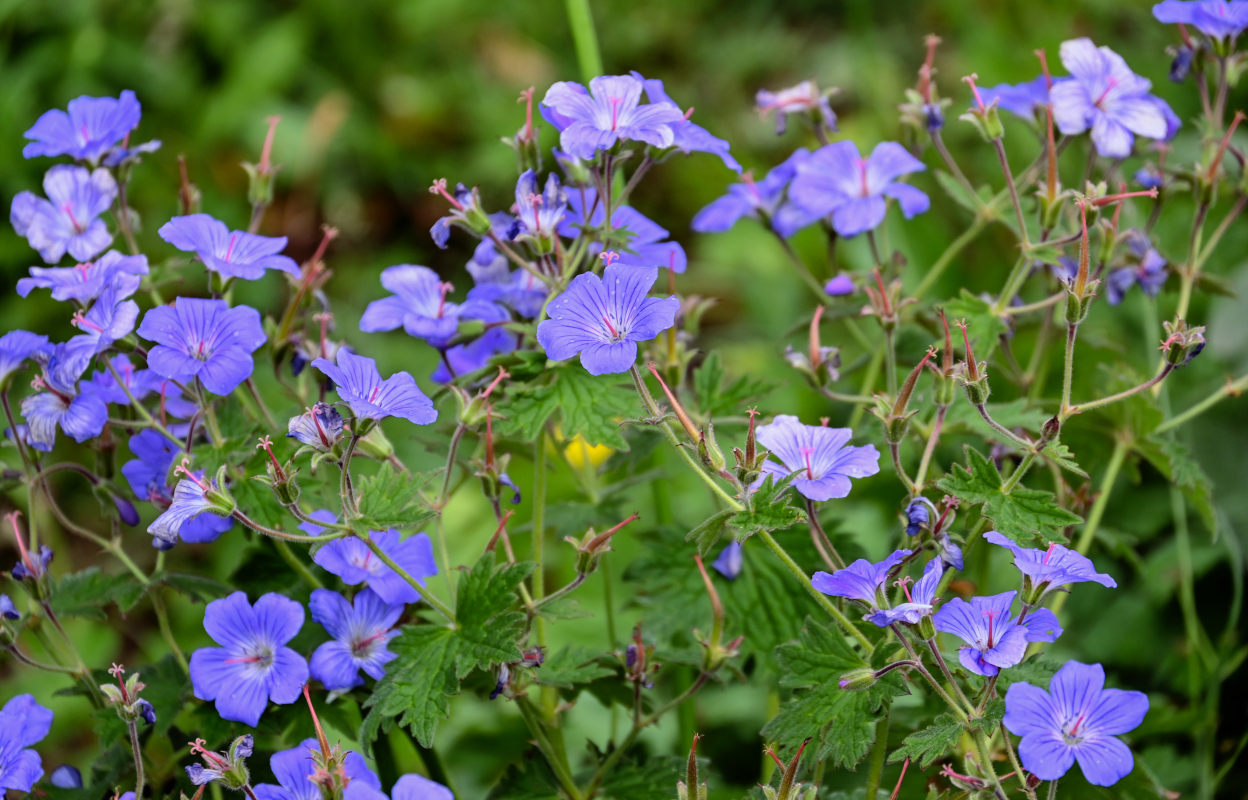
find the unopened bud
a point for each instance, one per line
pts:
(857, 680)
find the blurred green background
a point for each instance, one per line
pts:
(378, 99)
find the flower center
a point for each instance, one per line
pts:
(1072, 737)
(69, 212)
(614, 102)
(229, 248)
(535, 202)
(615, 334)
(991, 615)
(1109, 87)
(862, 173)
(80, 320)
(260, 654)
(443, 288)
(361, 646)
(904, 583)
(82, 271)
(807, 452)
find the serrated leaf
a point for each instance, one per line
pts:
(959, 193)
(1029, 517)
(770, 509)
(85, 594)
(196, 587)
(526, 778)
(417, 686)
(390, 499)
(708, 532)
(717, 399)
(588, 406)
(652, 779)
(1173, 460)
(926, 746)
(489, 628)
(1060, 455)
(983, 325)
(843, 721)
(571, 666)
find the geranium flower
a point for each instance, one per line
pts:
(602, 319)
(361, 629)
(205, 339)
(69, 219)
(836, 180)
(609, 111)
(1077, 719)
(819, 456)
(994, 639)
(252, 666)
(232, 254)
(361, 386)
(90, 128)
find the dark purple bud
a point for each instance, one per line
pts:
(163, 544)
(242, 747)
(917, 515)
(630, 656)
(950, 552)
(1182, 63)
(7, 609)
(933, 116)
(504, 677)
(533, 657)
(506, 480)
(126, 510)
(40, 564)
(66, 777)
(298, 362)
(146, 711)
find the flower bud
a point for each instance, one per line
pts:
(857, 680)
(1182, 344)
(708, 449)
(260, 175)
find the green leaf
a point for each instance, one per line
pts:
(770, 509)
(571, 666)
(1029, 517)
(926, 746)
(417, 686)
(196, 587)
(959, 193)
(983, 326)
(526, 778)
(391, 499)
(588, 406)
(716, 399)
(488, 627)
(1060, 455)
(653, 779)
(1173, 460)
(708, 532)
(86, 593)
(843, 721)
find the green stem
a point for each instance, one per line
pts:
(1009, 182)
(1166, 369)
(346, 491)
(890, 360)
(140, 780)
(1019, 472)
(930, 447)
(1018, 768)
(443, 496)
(875, 768)
(138, 407)
(819, 597)
(558, 762)
(166, 632)
(425, 594)
(1228, 389)
(584, 39)
(951, 252)
(985, 757)
(1068, 366)
(296, 564)
(283, 535)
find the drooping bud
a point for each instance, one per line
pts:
(857, 680)
(985, 118)
(1182, 343)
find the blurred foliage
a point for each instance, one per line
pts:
(379, 98)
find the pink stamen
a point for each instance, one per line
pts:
(264, 167)
(689, 113)
(979, 101)
(609, 257)
(439, 187)
(184, 469)
(80, 320)
(198, 748)
(199, 350)
(86, 136)
(747, 178)
(614, 333)
(364, 643)
(1109, 87)
(806, 454)
(324, 318)
(615, 111)
(319, 430)
(83, 271)
(229, 248)
(991, 615)
(535, 201)
(862, 172)
(266, 444)
(443, 288)
(69, 212)
(1074, 729)
(373, 394)
(245, 660)
(12, 517)
(904, 584)
(526, 97)
(1049, 553)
